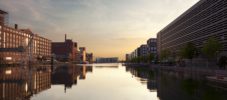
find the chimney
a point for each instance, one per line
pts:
(65, 37)
(16, 26)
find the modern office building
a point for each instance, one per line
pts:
(134, 54)
(107, 60)
(207, 18)
(152, 46)
(65, 51)
(143, 50)
(17, 44)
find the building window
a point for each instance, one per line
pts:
(4, 40)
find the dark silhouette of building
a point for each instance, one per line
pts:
(89, 57)
(4, 17)
(107, 60)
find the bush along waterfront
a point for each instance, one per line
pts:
(190, 54)
(149, 58)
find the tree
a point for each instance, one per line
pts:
(188, 51)
(211, 48)
(150, 57)
(143, 59)
(164, 54)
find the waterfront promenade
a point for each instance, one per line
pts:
(212, 75)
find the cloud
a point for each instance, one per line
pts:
(96, 23)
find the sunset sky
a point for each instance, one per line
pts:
(105, 27)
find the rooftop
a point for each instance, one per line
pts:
(3, 12)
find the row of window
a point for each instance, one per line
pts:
(187, 15)
(199, 44)
(213, 29)
(198, 24)
(197, 17)
(207, 19)
(13, 39)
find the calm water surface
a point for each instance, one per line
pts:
(104, 82)
(97, 82)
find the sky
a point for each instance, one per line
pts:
(108, 28)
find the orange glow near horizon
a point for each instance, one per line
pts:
(107, 28)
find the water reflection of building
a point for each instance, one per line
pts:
(20, 84)
(68, 75)
(145, 76)
(42, 79)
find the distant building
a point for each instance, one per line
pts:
(18, 44)
(107, 60)
(82, 54)
(65, 51)
(143, 50)
(134, 54)
(89, 57)
(152, 46)
(207, 18)
(4, 17)
(127, 57)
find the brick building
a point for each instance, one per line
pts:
(17, 44)
(65, 51)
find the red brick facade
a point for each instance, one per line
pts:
(65, 51)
